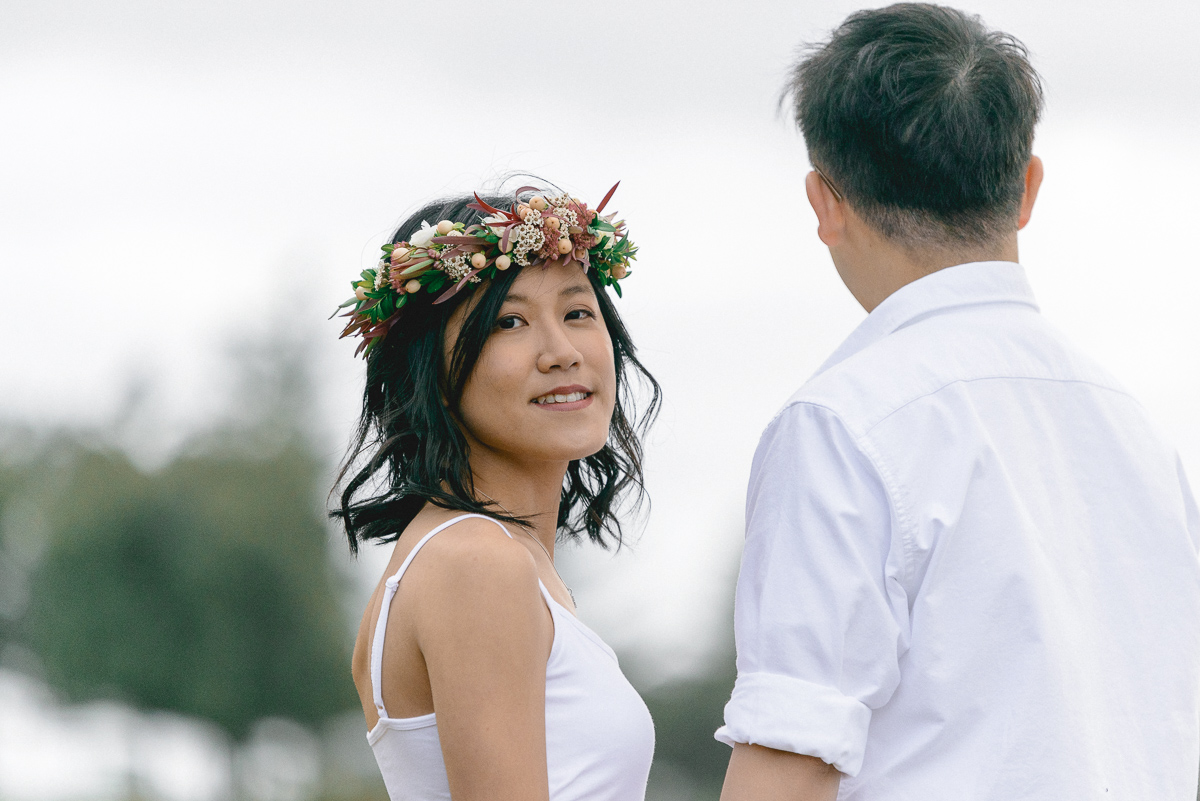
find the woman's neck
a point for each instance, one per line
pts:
(525, 491)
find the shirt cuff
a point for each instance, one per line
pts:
(790, 714)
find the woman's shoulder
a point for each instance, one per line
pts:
(472, 561)
(477, 593)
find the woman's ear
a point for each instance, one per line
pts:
(1033, 182)
(831, 216)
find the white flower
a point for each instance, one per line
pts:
(456, 267)
(423, 237)
(495, 218)
(607, 239)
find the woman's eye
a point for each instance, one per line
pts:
(580, 314)
(509, 322)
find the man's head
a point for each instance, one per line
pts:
(922, 120)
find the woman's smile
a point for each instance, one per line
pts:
(565, 399)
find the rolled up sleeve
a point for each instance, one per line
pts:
(820, 616)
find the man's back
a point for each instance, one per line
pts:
(971, 565)
(1013, 587)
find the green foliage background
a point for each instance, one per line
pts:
(686, 714)
(203, 588)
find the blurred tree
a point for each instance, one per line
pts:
(686, 712)
(23, 480)
(10, 576)
(203, 589)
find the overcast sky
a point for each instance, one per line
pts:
(173, 175)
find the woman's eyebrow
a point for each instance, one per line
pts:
(567, 291)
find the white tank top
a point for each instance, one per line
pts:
(599, 735)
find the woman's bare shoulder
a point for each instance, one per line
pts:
(476, 601)
(474, 561)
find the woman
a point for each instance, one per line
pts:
(495, 419)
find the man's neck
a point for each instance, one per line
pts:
(873, 267)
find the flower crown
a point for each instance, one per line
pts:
(449, 256)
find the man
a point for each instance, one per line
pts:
(971, 566)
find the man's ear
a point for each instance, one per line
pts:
(1033, 182)
(831, 217)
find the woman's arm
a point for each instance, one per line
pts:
(485, 634)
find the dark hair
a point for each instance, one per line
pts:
(408, 448)
(923, 119)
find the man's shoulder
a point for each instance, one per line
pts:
(924, 358)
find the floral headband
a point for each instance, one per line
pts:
(446, 257)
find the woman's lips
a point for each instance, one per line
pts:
(564, 399)
(569, 406)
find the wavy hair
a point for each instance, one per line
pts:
(408, 449)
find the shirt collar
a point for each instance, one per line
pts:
(972, 284)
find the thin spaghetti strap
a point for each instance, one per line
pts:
(389, 592)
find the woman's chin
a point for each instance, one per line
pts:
(559, 450)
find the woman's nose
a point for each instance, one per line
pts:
(558, 352)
